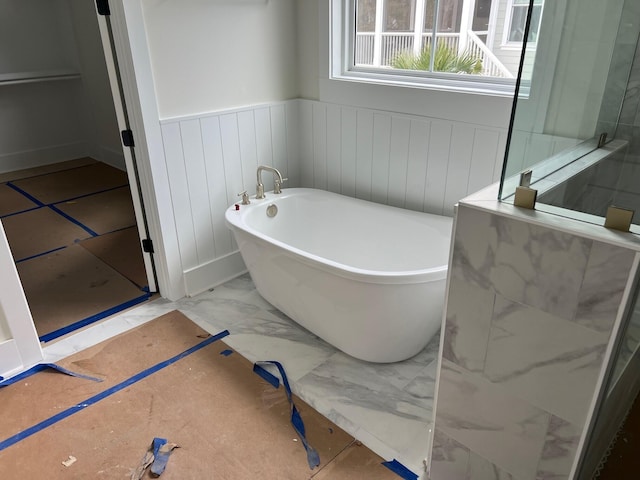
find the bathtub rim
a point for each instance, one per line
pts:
(235, 222)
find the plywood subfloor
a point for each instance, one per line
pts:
(72, 183)
(12, 202)
(229, 423)
(70, 285)
(93, 205)
(120, 250)
(102, 212)
(39, 231)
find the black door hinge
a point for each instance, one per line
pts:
(127, 138)
(147, 245)
(103, 7)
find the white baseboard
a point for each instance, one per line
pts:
(111, 157)
(213, 273)
(10, 162)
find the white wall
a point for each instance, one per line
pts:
(308, 49)
(37, 35)
(210, 55)
(39, 122)
(47, 122)
(102, 128)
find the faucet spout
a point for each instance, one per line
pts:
(260, 186)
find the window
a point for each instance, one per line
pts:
(447, 43)
(518, 21)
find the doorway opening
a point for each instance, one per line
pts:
(67, 202)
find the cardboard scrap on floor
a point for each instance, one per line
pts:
(229, 422)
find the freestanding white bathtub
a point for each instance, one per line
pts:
(367, 278)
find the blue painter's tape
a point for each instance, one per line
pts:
(21, 211)
(400, 470)
(40, 254)
(313, 458)
(272, 379)
(90, 194)
(22, 192)
(110, 391)
(45, 366)
(73, 220)
(94, 318)
(226, 352)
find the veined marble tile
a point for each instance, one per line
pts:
(424, 385)
(358, 391)
(449, 459)
(559, 450)
(540, 267)
(120, 323)
(551, 362)
(603, 286)
(482, 469)
(502, 428)
(298, 358)
(475, 244)
(629, 345)
(526, 263)
(469, 312)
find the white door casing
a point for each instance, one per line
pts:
(19, 344)
(134, 65)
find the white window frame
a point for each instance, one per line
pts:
(507, 28)
(341, 64)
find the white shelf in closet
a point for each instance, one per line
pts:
(38, 76)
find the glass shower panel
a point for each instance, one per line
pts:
(576, 120)
(619, 390)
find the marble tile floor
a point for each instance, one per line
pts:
(388, 407)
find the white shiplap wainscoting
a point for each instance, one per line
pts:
(408, 161)
(210, 159)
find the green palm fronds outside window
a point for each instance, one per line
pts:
(446, 60)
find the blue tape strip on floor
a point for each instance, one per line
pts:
(399, 469)
(89, 194)
(110, 391)
(73, 220)
(226, 352)
(268, 376)
(39, 368)
(18, 213)
(22, 192)
(313, 458)
(94, 318)
(40, 254)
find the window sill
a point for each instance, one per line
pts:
(439, 82)
(438, 102)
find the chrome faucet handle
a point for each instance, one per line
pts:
(277, 185)
(245, 197)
